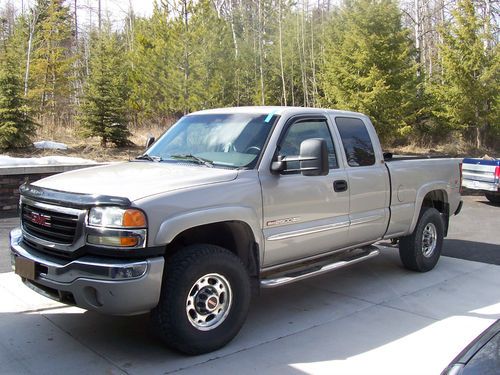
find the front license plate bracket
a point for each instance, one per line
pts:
(25, 268)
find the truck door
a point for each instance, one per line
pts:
(368, 180)
(304, 215)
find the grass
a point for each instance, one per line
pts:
(89, 148)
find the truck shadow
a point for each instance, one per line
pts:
(488, 203)
(471, 250)
(332, 317)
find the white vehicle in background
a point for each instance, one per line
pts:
(484, 175)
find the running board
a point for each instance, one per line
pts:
(291, 278)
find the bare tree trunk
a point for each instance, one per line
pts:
(292, 84)
(479, 130)
(186, 56)
(303, 63)
(33, 21)
(283, 86)
(261, 62)
(76, 23)
(441, 58)
(487, 26)
(418, 37)
(236, 50)
(233, 31)
(99, 15)
(314, 90)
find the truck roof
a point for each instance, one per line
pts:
(279, 110)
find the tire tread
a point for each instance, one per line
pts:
(164, 320)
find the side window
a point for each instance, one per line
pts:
(356, 140)
(302, 130)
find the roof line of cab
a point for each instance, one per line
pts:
(279, 110)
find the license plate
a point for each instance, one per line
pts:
(25, 268)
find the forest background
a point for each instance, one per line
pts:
(427, 72)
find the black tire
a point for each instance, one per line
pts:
(186, 274)
(422, 254)
(493, 197)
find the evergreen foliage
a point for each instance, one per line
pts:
(103, 108)
(369, 65)
(414, 82)
(52, 61)
(467, 92)
(16, 126)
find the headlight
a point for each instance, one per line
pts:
(117, 227)
(116, 217)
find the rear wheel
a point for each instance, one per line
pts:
(421, 250)
(493, 197)
(204, 301)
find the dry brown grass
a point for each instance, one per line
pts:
(89, 148)
(457, 148)
(92, 149)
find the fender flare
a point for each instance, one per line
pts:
(422, 192)
(172, 226)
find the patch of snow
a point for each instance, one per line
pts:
(50, 145)
(7, 161)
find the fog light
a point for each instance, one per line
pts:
(113, 241)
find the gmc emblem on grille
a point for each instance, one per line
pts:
(40, 219)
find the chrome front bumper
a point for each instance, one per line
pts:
(111, 286)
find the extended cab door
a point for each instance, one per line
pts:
(368, 180)
(303, 215)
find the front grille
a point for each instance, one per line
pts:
(49, 225)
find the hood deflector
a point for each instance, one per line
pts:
(66, 199)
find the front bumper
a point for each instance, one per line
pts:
(110, 286)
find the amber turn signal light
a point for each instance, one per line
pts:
(133, 218)
(128, 241)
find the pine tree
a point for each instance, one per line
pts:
(149, 66)
(369, 65)
(467, 91)
(16, 126)
(52, 61)
(103, 109)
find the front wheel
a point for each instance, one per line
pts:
(421, 250)
(204, 301)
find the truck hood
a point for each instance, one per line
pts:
(135, 180)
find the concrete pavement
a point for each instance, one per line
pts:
(375, 317)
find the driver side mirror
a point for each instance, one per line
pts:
(150, 141)
(313, 159)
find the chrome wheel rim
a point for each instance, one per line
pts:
(429, 240)
(209, 301)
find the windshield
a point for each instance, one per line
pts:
(227, 140)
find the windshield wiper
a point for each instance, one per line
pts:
(148, 157)
(196, 159)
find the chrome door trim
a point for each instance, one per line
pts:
(304, 232)
(366, 219)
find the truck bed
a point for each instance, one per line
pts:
(411, 179)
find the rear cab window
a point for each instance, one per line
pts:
(357, 143)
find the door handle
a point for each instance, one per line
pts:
(339, 186)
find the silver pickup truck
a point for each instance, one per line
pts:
(228, 201)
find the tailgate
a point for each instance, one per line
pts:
(481, 174)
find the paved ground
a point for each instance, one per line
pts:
(374, 317)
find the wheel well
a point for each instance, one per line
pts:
(235, 236)
(438, 199)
